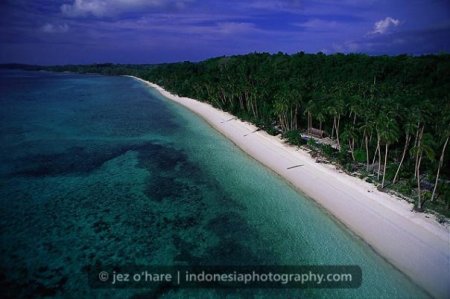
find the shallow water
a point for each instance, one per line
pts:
(102, 170)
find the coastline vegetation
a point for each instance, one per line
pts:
(385, 119)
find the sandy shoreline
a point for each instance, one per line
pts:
(415, 244)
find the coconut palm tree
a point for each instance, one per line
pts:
(286, 106)
(378, 124)
(320, 117)
(389, 133)
(423, 146)
(309, 109)
(441, 162)
(336, 109)
(408, 128)
(367, 129)
(349, 134)
(445, 135)
(280, 109)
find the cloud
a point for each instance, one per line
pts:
(107, 8)
(318, 25)
(383, 26)
(422, 41)
(51, 28)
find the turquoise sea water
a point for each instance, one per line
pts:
(101, 170)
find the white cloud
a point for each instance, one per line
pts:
(51, 28)
(383, 26)
(319, 25)
(105, 8)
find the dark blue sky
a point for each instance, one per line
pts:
(152, 31)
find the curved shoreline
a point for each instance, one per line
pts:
(414, 243)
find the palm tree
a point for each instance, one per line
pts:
(409, 127)
(356, 109)
(310, 107)
(349, 135)
(336, 109)
(423, 145)
(352, 134)
(378, 125)
(320, 117)
(445, 133)
(280, 109)
(286, 106)
(421, 118)
(389, 134)
(367, 129)
(441, 162)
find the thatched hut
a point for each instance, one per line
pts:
(316, 133)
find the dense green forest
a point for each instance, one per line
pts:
(388, 118)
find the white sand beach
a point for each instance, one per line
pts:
(413, 242)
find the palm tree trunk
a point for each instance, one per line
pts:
(295, 117)
(405, 148)
(379, 157)
(351, 149)
(375, 154)
(252, 104)
(385, 163)
(419, 140)
(334, 126)
(419, 203)
(366, 138)
(441, 161)
(417, 169)
(337, 132)
(416, 140)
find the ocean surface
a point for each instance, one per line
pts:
(98, 170)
